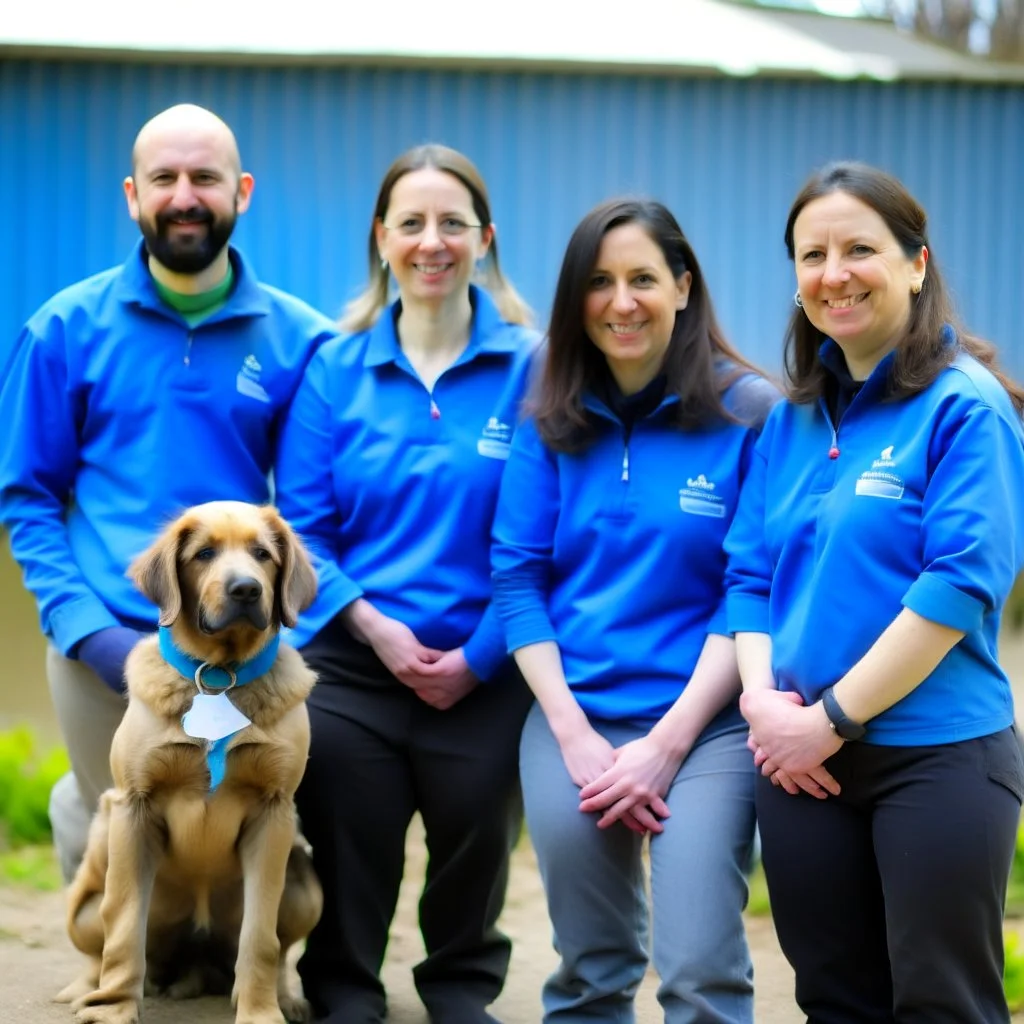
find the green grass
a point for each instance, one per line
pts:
(31, 867)
(757, 903)
(26, 777)
(1013, 972)
(1015, 892)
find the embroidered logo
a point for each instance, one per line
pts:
(496, 440)
(881, 480)
(698, 498)
(248, 380)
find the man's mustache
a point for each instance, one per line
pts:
(196, 215)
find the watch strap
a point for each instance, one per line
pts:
(844, 727)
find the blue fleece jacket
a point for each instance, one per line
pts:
(615, 552)
(118, 415)
(920, 509)
(393, 486)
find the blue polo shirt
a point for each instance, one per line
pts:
(393, 487)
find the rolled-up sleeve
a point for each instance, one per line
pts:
(970, 525)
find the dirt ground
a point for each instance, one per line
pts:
(37, 959)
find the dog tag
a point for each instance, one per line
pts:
(212, 717)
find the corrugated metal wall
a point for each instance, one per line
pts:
(726, 155)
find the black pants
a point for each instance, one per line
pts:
(379, 754)
(888, 899)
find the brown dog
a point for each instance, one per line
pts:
(194, 872)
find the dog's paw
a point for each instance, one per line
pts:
(109, 1013)
(295, 1009)
(76, 990)
(254, 1016)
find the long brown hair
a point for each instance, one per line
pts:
(362, 312)
(922, 352)
(575, 365)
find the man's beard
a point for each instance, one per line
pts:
(183, 252)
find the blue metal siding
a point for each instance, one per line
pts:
(727, 155)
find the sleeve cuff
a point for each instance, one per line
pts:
(484, 660)
(746, 613)
(485, 651)
(935, 599)
(70, 623)
(718, 623)
(335, 591)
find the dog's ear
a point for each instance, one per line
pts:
(296, 586)
(155, 572)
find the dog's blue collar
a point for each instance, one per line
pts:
(215, 677)
(219, 679)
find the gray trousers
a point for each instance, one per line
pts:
(88, 713)
(594, 881)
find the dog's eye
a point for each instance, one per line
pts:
(205, 554)
(260, 554)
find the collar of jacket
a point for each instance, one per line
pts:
(217, 677)
(488, 333)
(136, 288)
(594, 404)
(876, 385)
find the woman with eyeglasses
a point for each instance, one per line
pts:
(389, 466)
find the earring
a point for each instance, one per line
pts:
(383, 264)
(797, 301)
(916, 289)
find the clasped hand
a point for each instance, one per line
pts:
(439, 678)
(790, 741)
(626, 784)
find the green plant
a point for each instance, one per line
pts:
(26, 778)
(757, 902)
(34, 867)
(1013, 971)
(1015, 891)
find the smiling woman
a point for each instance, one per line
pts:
(390, 465)
(631, 305)
(870, 559)
(855, 280)
(609, 580)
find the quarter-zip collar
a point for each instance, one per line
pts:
(488, 333)
(136, 287)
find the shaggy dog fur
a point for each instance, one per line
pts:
(188, 890)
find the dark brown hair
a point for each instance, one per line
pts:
(923, 351)
(574, 364)
(362, 312)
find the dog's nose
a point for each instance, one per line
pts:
(245, 590)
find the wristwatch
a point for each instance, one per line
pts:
(845, 728)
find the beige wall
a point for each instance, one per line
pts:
(23, 693)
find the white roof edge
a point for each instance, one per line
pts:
(700, 36)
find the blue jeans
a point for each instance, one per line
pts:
(594, 881)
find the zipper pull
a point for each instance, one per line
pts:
(435, 413)
(188, 350)
(625, 465)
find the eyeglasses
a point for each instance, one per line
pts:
(448, 227)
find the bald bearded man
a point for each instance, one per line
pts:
(148, 388)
